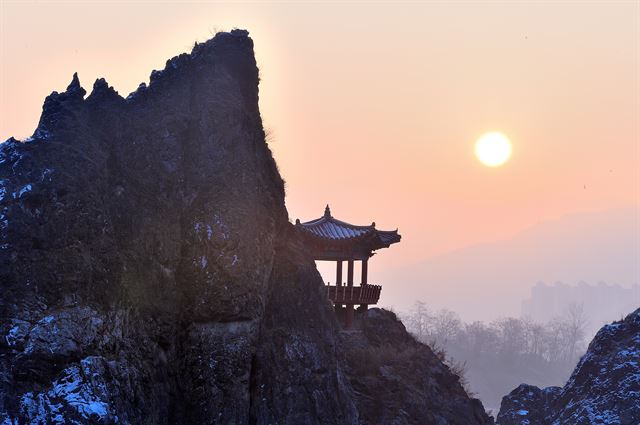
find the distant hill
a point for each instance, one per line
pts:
(601, 303)
(491, 280)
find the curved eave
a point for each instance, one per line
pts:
(328, 230)
(389, 237)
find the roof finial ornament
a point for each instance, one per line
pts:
(327, 211)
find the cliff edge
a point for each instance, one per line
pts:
(150, 274)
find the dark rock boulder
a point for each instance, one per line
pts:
(528, 403)
(603, 389)
(148, 270)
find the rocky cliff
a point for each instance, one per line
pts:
(603, 389)
(398, 380)
(150, 275)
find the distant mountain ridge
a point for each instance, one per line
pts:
(487, 281)
(603, 302)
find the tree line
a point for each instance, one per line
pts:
(561, 339)
(495, 357)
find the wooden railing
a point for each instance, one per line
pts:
(365, 294)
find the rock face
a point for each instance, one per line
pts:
(398, 380)
(603, 389)
(150, 275)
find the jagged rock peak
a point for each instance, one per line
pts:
(56, 108)
(236, 39)
(233, 50)
(74, 91)
(102, 90)
(100, 85)
(74, 88)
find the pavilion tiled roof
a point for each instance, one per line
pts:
(332, 229)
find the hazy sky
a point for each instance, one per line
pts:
(374, 107)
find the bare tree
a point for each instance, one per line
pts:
(418, 321)
(480, 338)
(576, 323)
(512, 336)
(446, 326)
(554, 340)
(535, 334)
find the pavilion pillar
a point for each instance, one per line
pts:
(365, 271)
(363, 280)
(339, 273)
(348, 314)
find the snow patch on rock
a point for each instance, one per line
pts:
(79, 392)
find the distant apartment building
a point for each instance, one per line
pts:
(602, 303)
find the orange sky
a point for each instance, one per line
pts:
(375, 107)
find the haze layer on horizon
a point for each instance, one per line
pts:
(374, 108)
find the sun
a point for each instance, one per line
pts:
(493, 149)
